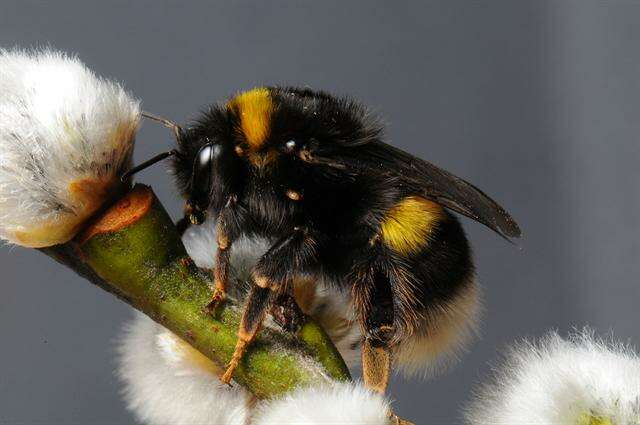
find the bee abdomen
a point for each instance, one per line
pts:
(436, 295)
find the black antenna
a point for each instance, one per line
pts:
(177, 131)
(148, 163)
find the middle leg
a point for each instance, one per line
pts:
(258, 303)
(272, 277)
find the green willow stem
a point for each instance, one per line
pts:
(134, 251)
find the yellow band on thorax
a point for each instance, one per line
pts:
(254, 108)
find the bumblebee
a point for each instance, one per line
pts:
(311, 173)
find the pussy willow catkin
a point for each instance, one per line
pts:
(66, 135)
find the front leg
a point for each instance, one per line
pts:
(224, 240)
(272, 276)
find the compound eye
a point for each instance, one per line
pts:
(291, 146)
(202, 176)
(205, 157)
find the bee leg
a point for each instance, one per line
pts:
(222, 265)
(286, 313)
(376, 366)
(283, 263)
(373, 299)
(374, 302)
(220, 278)
(259, 301)
(376, 347)
(272, 276)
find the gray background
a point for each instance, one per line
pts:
(536, 102)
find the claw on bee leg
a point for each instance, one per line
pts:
(396, 420)
(241, 347)
(218, 297)
(287, 314)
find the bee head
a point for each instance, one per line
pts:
(203, 162)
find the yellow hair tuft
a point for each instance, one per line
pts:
(408, 225)
(254, 107)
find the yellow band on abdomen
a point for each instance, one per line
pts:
(408, 226)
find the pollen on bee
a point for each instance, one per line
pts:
(254, 108)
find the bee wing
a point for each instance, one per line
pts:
(425, 179)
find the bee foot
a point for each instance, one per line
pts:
(287, 314)
(396, 420)
(217, 299)
(226, 384)
(227, 376)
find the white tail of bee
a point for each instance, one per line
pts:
(444, 337)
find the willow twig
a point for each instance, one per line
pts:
(134, 251)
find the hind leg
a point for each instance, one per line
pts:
(373, 297)
(373, 300)
(376, 366)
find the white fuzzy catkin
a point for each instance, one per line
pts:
(66, 135)
(167, 382)
(340, 403)
(579, 381)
